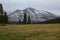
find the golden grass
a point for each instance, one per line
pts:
(30, 32)
(32, 27)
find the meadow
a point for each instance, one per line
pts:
(30, 32)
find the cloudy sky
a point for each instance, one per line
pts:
(47, 5)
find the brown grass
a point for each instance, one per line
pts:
(30, 32)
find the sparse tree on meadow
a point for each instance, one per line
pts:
(19, 21)
(25, 19)
(29, 20)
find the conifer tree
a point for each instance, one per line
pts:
(19, 21)
(5, 17)
(29, 21)
(25, 19)
(1, 14)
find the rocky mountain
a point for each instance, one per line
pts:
(35, 15)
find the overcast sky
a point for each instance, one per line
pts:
(47, 5)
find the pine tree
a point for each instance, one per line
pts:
(25, 19)
(19, 21)
(5, 17)
(29, 21)
(1, 14)
(1, 9)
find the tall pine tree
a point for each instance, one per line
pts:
(25, 19)
(29, 20)
(5, 17)
(1, 14)
(19, 21)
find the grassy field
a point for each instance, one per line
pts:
(30, 32)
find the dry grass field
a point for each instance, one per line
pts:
(30, 32)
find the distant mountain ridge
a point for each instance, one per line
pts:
(35, 15)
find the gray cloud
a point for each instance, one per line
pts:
(11, 5)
